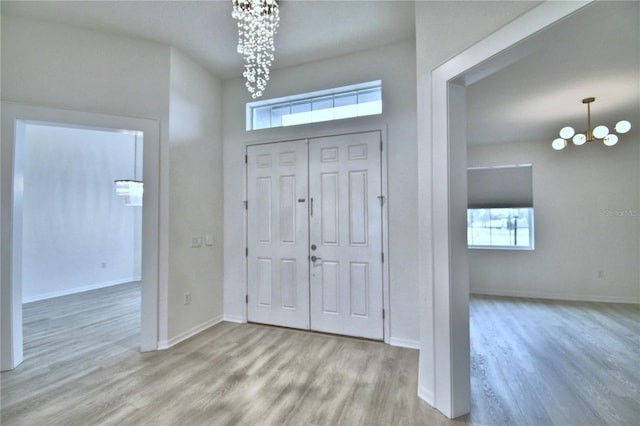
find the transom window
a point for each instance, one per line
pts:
(326, 105)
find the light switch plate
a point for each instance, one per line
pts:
(196, 241)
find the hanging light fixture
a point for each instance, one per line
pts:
(131, 190)
(599, 133)
(258, 22)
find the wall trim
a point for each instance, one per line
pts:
(426, 395)
(404, 343)
(166, 344)
(233, 318)
(76, 290)
(555, 296)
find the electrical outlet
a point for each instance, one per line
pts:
(187, 298)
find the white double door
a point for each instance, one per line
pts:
(315, 234)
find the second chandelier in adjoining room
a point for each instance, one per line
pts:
(258, 22)
(599, 133)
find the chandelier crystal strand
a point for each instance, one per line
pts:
(258, 22)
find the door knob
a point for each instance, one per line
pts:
(314, 258)
(313, 247)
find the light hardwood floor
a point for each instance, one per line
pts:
(537, 362)
(533, 362)
(229, 374)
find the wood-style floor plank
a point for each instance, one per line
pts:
(532, 363)
(82, 366)
(538, 362)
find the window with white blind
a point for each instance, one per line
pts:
(356, 100)
(500, 207)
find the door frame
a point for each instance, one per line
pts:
(444, 363)
(13, 118)
(383, 129)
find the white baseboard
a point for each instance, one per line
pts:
(166, 344)
(75, 290)
(404, 343)
(232, 318)
(426, 395)
(555, 296)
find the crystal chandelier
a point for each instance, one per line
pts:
(258, 22)
(599, 133)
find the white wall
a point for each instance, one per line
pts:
(77, 233)
(56, 66)
(196, 200)
(587, 220)
(395, 66)
(59, 66)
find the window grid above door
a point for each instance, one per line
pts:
(356, 100)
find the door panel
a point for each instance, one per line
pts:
(329, 211)
(338, 222)
(346, 227)
(331, 287)
(278, 265)
(358, 212)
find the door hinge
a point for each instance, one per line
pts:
(381, 198)
(246, 299)
(246, 205)
(246, 252)
(380, 144)
(246, 159)
(383, 314)
(382, 257)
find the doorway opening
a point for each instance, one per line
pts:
(445, 358)
(71, 232)
(78, 235)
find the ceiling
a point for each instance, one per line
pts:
(205, 30)
(595, 52)
(592, 53)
